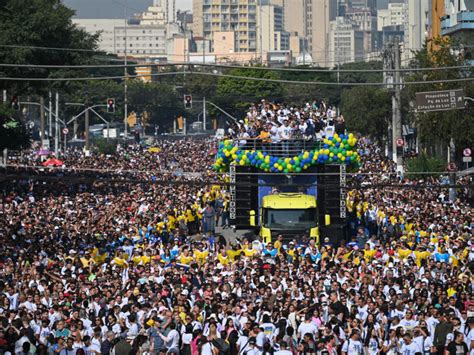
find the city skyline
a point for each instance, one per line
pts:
(114, 8)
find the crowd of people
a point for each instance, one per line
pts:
(280, 124)
(131, 263)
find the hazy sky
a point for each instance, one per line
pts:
(114, 8)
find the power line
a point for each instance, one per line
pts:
(228, 66)
(282, 81)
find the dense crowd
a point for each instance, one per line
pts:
(276, 123)
(135, 267)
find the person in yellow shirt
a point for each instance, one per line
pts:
(368, 253)
(146, 258)
(421, 254)
(248, 251)
(200, 255)
(404, 253)
(120, 260)
(278, 243)
(223, 258)
(185, 258)
(234, 253)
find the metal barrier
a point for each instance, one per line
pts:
(281, 148)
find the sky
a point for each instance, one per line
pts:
(115, 8)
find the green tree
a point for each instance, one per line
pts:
(13, 133)
(436, 129)
(40, 23)
(367, 110)
(233, 93)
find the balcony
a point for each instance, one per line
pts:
(462, 21)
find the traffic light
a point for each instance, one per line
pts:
(110, 105)
(15, 104)
(188, 101)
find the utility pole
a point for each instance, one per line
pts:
(204, 114)
(87, 129)
(125, 88)
(56, 129)
(396, 107)
(50, 118)
(42, 133)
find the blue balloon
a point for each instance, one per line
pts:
(325, 146)
(301, 164)
(292, 161)
(338, 144)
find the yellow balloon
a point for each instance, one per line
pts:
(326, 151)
(242, 162)
(331, 154)
(275, 165)
(339, 155)
(343, 158)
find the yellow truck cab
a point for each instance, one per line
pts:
(289, 214)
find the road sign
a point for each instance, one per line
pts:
(400, 142)
(65, 131)
(467, 152)
(452, 167)
(440, 100)
(467, 159)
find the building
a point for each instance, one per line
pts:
(394, 15)
(141, 40)
(458, 24)
(154, 15)
(416, 26)
(239, 16)
(364, 20)
(294, 17)
(318, 15)
(106, 28)
(346, 42)
(270, 32)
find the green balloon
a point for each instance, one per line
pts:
(285, 171)
(330, 160)
(298, 169)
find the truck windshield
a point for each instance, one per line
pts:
(289, 219)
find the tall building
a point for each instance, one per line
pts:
(371, 4)
(394, 15)
(416, 25)
(156, 14)
(294, 17)
(106, 28)
(458, 23)
(271, 35)
(366, 21)
(239, 16)
(346, 42)
(319, 14)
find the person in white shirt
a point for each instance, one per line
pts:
(353, 346)
(307, 327)
(283, 349)
(409, 347)
(172, 339)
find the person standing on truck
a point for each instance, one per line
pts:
(284, 132)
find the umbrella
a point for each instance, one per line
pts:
(53, 162)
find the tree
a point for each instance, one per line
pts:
(13, 134)
(367, 110)
(28, 25)
(435, 129)
(239, 93)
